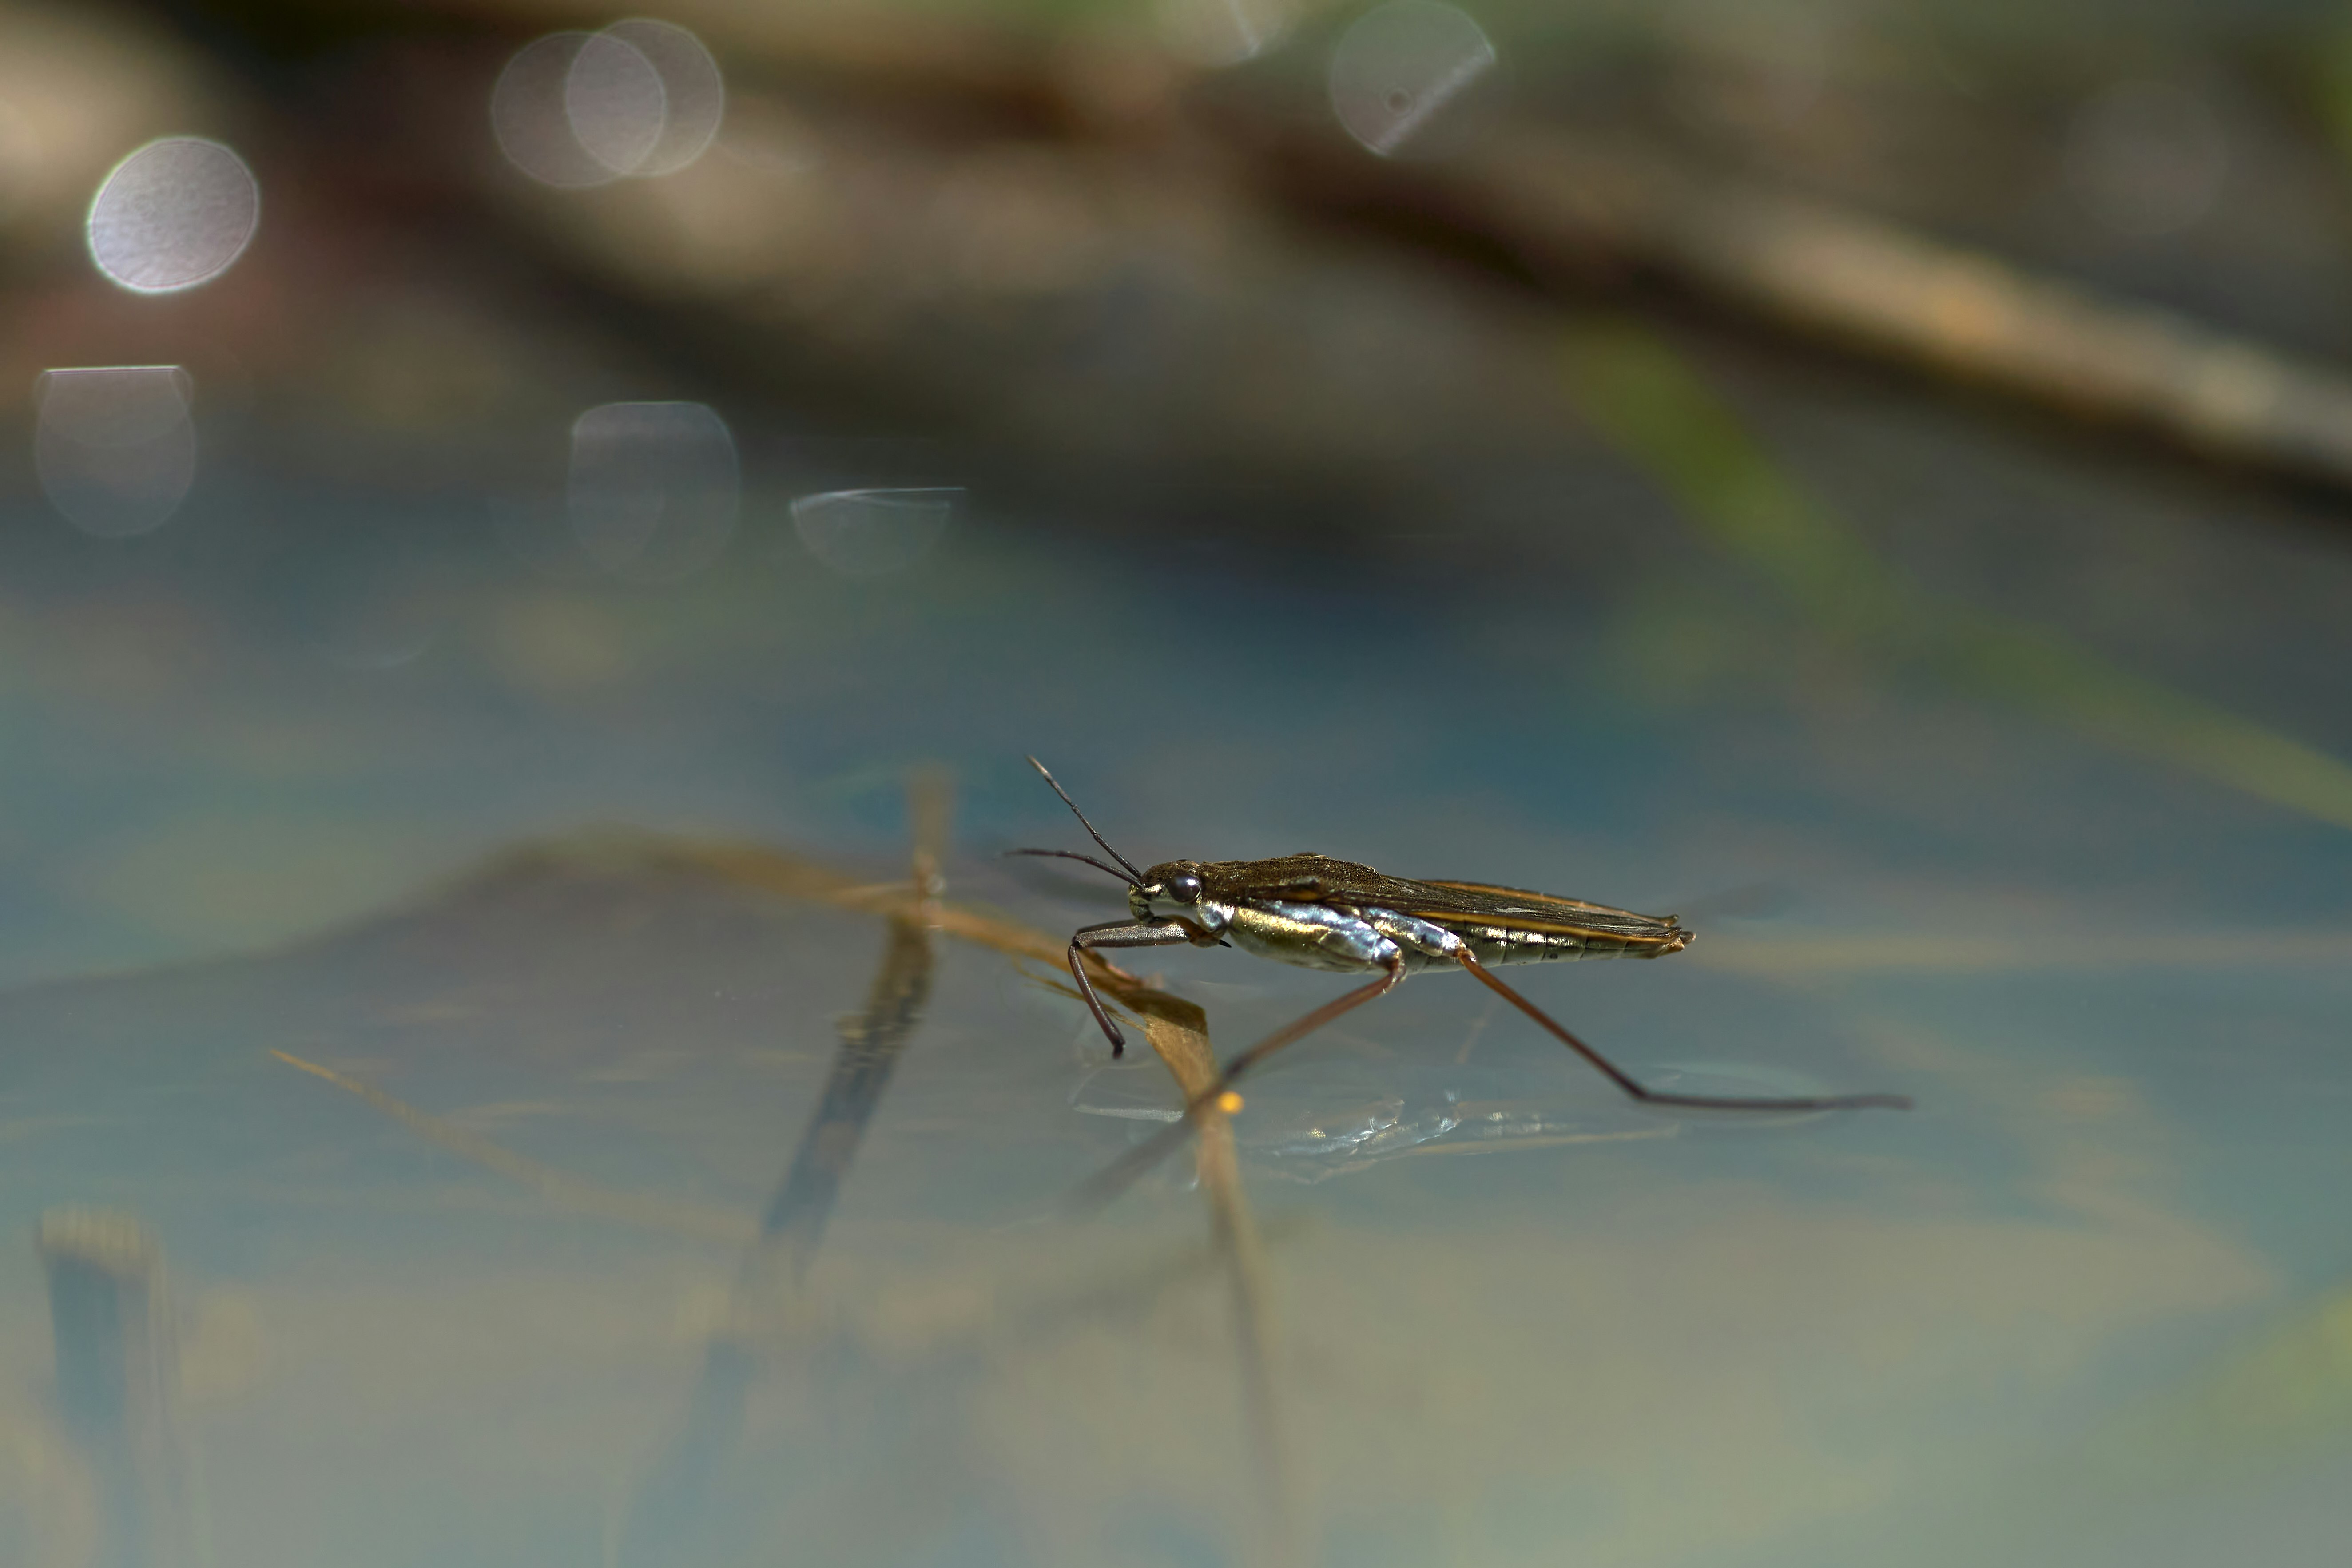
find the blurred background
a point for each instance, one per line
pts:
(517, 522)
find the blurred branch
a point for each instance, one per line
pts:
(771, 233)
(838, 218)
(1586, 207)
(1581, 207)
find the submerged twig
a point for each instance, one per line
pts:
(1179, 1033)
(776, 871)
(557, 1186)
(667, 1506)
(870, 1044)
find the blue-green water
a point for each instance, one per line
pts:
(2086, 1304)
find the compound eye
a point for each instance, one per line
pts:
(1184, 889)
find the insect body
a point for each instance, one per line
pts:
(1322, 913)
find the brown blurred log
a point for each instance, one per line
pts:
(1584, 208)
(1581, 205)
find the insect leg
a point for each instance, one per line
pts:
(1115, 1177)
(1633, 1088)
(1116, 934)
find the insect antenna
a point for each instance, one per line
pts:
(1133, 875)
(1074, 855)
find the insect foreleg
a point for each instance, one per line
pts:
(1633, 1088)
(1118, 933)
(1115, 1177)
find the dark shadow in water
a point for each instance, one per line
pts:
(116, 1372)
(663, 1516)
(870, 1044)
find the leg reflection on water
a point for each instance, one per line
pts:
(664, 1513)
(668, 1502)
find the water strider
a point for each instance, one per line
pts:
(1320, 913)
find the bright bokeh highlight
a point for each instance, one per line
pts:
(174, 213)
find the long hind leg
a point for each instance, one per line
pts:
(1635, 1087)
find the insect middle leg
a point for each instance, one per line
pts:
(1118, 933)
(1114, 1179)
